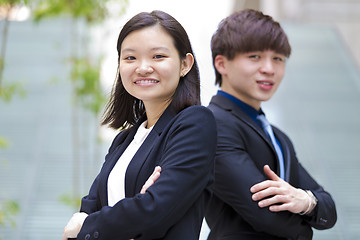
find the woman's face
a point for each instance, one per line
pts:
(149, 65)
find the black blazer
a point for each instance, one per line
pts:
(173, 208)
(242, 151)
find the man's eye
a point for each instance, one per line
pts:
(254, 56)
(159, 56)
(279, 59)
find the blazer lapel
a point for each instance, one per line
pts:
(110, 160)
(141, 156)
(285, 151)
(137, 162)
(228, 105)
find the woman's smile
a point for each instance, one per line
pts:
(146, 82)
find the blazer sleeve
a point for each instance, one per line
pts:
(236, 173)
(91, 202)
(187, 163)
(324, 215)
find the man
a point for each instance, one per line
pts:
(261, 191)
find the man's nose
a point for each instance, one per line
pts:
(267, 66)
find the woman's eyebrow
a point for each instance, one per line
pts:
(154, 49)
(160, 48)
(127, 50)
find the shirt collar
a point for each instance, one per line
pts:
(250, 111)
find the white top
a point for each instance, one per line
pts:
(116, 180)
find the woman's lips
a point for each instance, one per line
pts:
(146, 82)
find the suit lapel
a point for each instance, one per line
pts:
(137, 162)
(132, 184)
(228, 105)
(286, 152)
(121, 144)
(246, 119)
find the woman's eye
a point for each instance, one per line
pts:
(130, 58)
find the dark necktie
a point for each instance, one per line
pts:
(267, 128)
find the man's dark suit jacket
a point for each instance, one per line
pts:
(242, 151)
(172, 208)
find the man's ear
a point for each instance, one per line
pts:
(220, 64)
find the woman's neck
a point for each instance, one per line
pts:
(154, 112)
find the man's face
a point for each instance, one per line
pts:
(252, 77)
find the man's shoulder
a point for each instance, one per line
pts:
(227, 119)
(223, 108)
(219, 111)
(219, 103)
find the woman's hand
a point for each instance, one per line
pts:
(152, 179)
(279, 195)
(74, 225)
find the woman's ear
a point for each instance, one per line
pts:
(220, 64)
(187, 64)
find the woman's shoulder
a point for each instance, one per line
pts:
(197, 110)
(197, 114)
(119, 138)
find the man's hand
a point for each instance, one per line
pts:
(74, 225)
(279, 195)
(152, 179)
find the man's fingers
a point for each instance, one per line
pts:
(263, 185)
(270, 173)
(267, 183)
(266, 192)
(274, 200)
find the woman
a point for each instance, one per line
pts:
(154, 102)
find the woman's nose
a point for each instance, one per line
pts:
(144, 68)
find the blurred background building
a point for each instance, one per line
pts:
(51, 146)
